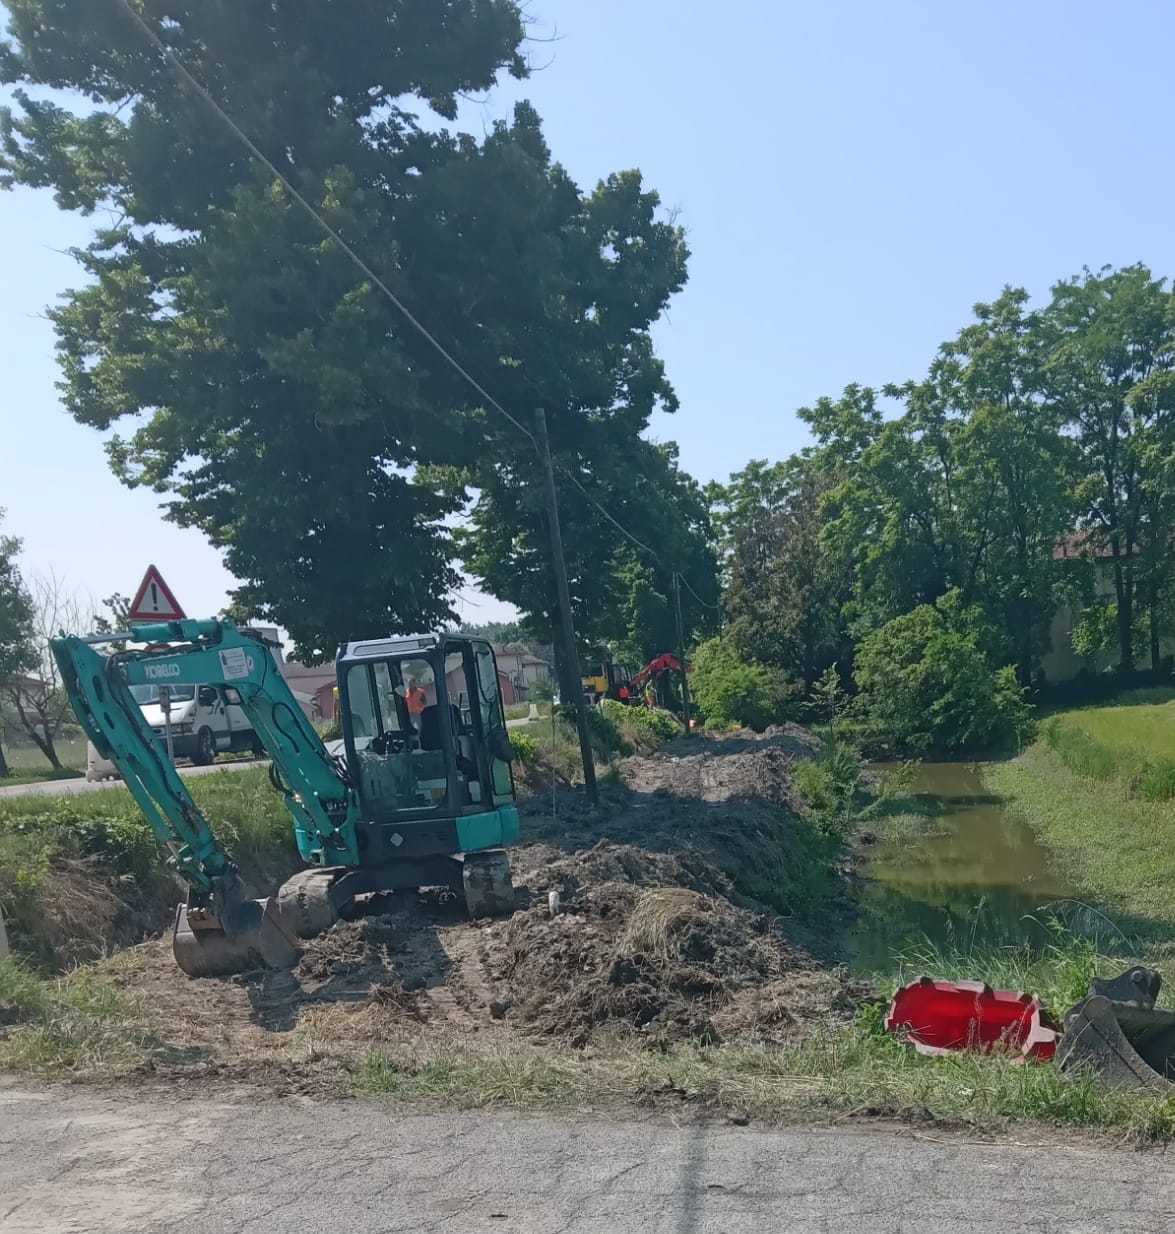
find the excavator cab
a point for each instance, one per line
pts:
(428, 753)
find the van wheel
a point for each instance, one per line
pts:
(205, 748)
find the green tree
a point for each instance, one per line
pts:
(927, 684)
(732, 690)
(18, 654)
(967, 488)
(1111, 367)
(786, 592)
(281, 404)
(620, 594)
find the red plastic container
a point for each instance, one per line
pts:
(940, 1016)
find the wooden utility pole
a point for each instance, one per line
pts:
(681, 651)
(571, 672)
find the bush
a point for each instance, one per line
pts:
(732, 691)
(526, 750)
(832, 784)
(636, 722)
(927, 686)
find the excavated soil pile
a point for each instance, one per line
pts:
(651, 943)
(668, 924)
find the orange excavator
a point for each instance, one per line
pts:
(656, 667)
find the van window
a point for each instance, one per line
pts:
(146, 694)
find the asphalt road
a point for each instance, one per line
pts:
(70, 788)
(78, 1162)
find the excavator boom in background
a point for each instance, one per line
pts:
(421, 794)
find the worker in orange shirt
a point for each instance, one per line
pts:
(416, 698)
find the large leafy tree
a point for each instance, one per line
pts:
(968, 487)
(621, 593)
(1111, 369)
(786, 593)
(276, 398)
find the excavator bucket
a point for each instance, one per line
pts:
(252, 936)
(1118, 1034)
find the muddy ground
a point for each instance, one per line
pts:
(643, 918)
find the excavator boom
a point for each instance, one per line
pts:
(225, 928)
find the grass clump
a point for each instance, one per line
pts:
(74, 1024)
(658, 920)
(512, 1076)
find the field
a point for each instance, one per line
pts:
(1140, 724)
(28, 764)
(1097, 789)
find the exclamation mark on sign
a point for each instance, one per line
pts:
(155, 597)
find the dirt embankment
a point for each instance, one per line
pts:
(640, 919)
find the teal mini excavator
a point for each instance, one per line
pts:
(419, 791)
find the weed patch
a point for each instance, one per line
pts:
(74, 1024)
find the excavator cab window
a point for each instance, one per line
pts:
(400, 759)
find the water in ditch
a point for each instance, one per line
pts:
(958, 870)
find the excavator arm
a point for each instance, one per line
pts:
(323, 804)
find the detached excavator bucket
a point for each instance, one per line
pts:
(1117, 1033)
(252, 936)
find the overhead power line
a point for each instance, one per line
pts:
(190, 81)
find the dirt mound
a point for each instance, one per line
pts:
(658, 957)
(681, 910)
(727, 767)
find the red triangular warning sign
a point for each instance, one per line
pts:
(154, 600)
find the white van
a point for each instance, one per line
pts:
(205, 721)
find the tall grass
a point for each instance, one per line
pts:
(1150, 776)
(75, 1024)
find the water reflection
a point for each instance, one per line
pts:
(960, 870)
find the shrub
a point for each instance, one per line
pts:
(730, 690)
(927, 686)
(526, 750)
(832, 784)
(653, 724)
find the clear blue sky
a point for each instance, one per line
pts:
(853, 176)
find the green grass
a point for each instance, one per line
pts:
(75, 1025)
(56, 850)
(855, 1070)
(1117, 848)
(1139, 723)
(29, 766)
(70, 750)
(1098, 788)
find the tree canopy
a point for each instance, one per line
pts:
(1038, 448)
(273, 396)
